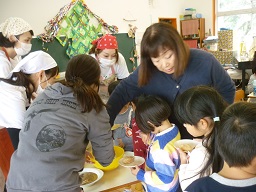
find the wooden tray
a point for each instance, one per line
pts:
(134, 186)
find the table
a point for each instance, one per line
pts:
(251, 97)
(132, 186)
(119, 176)
(243, 65)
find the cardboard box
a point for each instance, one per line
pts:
(226, 40)
(224, 57)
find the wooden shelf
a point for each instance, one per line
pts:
(191, 38)
(172, 21)
(193, 29)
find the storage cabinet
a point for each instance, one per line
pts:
(171, 21)
(193, 32)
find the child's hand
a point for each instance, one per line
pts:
(183, 156)
(120, 143)
(135, 170)
(145, 138)
(89, 157)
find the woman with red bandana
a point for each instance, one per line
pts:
(112, 63)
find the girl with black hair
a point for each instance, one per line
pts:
(199, 110)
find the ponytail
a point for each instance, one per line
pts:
(83, 72)
(86, 96)
(210, 143)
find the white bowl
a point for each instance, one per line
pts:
(137, 161)
(190, 142)
(99, 173)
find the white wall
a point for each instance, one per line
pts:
(202, 6)
(38, 12)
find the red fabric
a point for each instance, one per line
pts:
(139, 148)
(191, 43)
(6, 151)
(106, 42)
(190, 27)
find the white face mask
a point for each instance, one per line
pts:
(107, 62)
(39, 88)
(24, 49)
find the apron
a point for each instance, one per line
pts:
(103, 90)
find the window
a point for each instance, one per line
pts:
(240, 16)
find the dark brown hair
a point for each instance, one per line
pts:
(5, 42)
(159, 37)
(153, 109)
(82, 73)
(52, 72)
(21, 79)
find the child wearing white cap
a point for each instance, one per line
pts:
(15, 41)
(32, 74)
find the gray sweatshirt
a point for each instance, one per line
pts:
(53, 141)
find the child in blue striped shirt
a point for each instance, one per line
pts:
(162, 163)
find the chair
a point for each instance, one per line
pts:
(239, 95)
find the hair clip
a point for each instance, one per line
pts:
(73, 78)
(216, 119)
(14, 78)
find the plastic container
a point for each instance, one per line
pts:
(190, 11)
(212, 46)
(119, 152)
(211, 43)
(199, 15)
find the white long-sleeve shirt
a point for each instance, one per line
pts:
(6, 64)
(250, 83)
(191, 171)
(13, 102)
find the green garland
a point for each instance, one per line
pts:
(76, 25)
